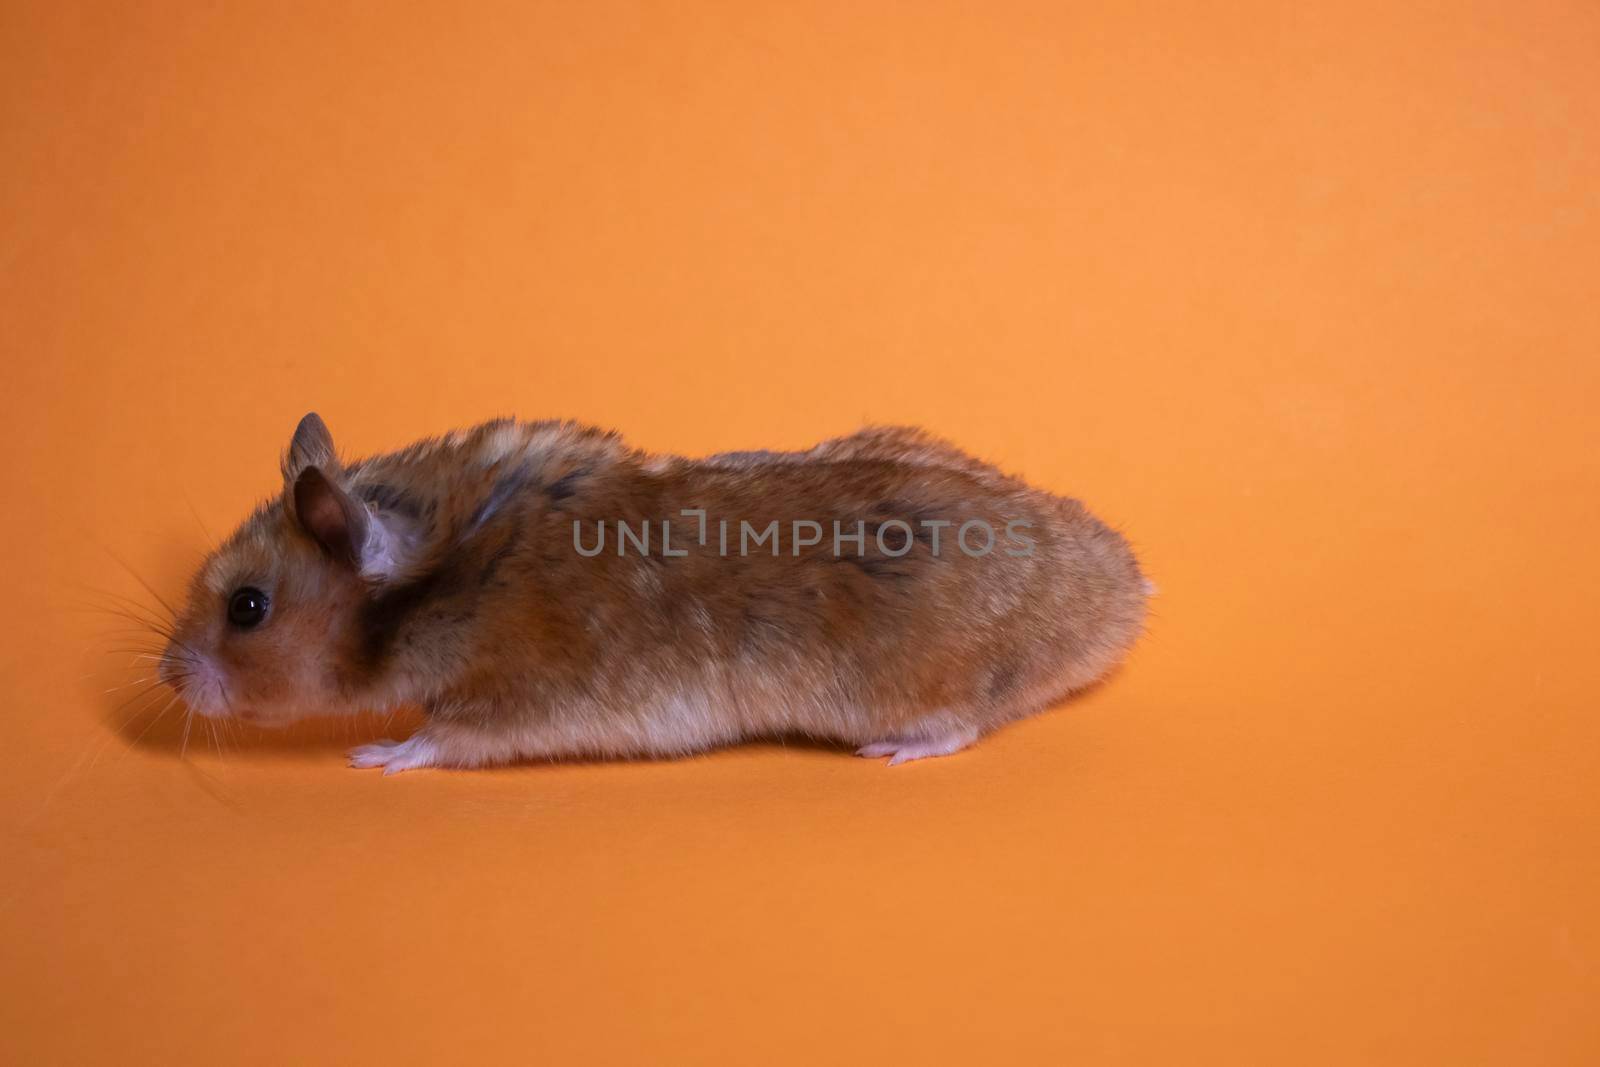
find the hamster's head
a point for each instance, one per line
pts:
(270, 632)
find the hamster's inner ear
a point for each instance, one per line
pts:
(333, 519)
(312, 446)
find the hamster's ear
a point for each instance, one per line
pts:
(333, 519)
(312, 446)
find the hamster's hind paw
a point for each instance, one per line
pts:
(396, 756)
(905, 749)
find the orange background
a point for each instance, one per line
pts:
(1300, 296)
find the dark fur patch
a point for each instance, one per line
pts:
(565, 486)
(501, 554)
(389, 498)
(897, 540)
(383, 617)
(500, 494)
(882, 567)
(1002, 680)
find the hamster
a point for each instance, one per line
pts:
(542, 590)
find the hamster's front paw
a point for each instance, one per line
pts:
(395, 756)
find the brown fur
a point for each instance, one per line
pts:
(445, 575)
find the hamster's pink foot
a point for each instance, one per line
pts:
(906, 749)
(395, 756)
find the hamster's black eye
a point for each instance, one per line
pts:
(247, 607)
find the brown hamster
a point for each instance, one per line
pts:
(542, 590)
